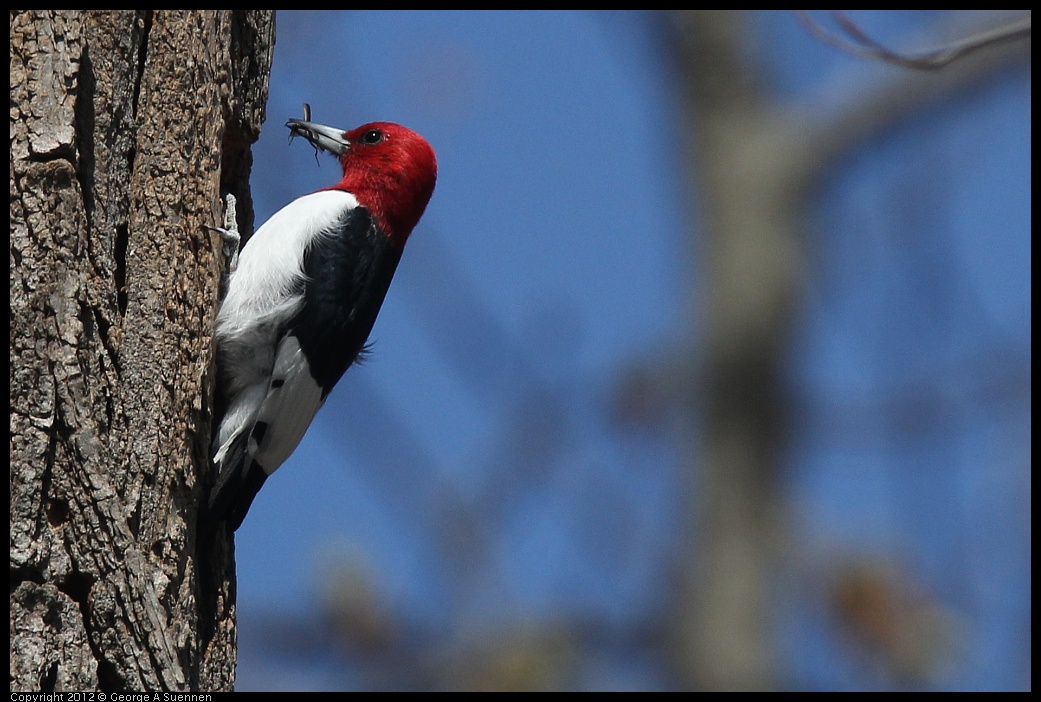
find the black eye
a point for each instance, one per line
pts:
(373, 136)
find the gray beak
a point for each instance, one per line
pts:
(322, 137)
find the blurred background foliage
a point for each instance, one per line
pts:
(709, 366)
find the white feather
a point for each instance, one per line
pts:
(291, 403)
(263, 295)
(261, 288)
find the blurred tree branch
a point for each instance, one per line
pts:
(755, 164)
(857, 42)
(816, 138)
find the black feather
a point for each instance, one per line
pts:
(238, 482)
(348, 276)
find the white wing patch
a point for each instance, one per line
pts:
(260, 291)
(293, 398)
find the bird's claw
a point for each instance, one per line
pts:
(229, 234)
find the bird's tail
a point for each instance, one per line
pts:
(239, 479)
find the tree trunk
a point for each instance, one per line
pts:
(751, 271)
(757, 162)
(126, 129)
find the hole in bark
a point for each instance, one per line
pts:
(49, 678)
(120, 256)
(77, 586)
(57, 512)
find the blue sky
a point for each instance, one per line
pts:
(550, 217)
(556, 252)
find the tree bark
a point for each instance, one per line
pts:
(126, 129)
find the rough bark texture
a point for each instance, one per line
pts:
(126, 129)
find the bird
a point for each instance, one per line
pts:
(302, 299)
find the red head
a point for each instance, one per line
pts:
(389, 168)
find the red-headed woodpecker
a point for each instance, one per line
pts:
(303, 298)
